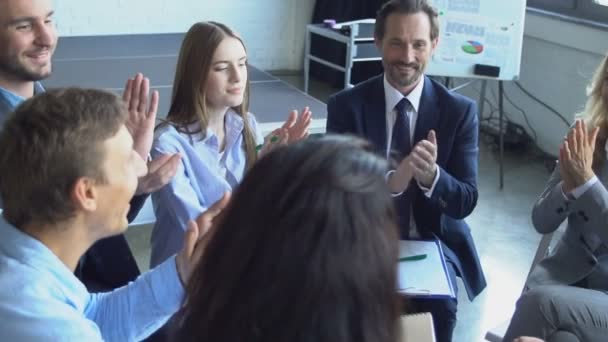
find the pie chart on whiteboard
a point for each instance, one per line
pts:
(472, 47)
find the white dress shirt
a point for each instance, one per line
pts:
(392, 96)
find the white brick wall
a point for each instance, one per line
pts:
(273, 29)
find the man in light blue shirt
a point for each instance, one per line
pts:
(77, 173)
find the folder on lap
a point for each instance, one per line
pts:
(423, 276)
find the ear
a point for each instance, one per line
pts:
(84, 194)
(434, 43)
(378, 43)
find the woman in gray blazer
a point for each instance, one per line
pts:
(567, 296)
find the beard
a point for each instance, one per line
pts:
(12, 67)
(402, 79)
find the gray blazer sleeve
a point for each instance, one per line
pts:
(551, 208)
(591, 210)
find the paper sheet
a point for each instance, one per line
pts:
(426, 277)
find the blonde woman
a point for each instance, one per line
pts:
(567, 298)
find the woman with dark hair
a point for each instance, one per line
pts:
(305, 254)
(210, 126)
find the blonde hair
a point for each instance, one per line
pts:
(188, 101)
(595, 113)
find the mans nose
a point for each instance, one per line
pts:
(45, 34)
(408, 54)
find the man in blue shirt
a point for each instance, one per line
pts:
(27, 42)
(77, 173)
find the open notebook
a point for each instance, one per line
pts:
(417, 328)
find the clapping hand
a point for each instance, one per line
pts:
(278, 137)
(297, 125)
(576, 156)
(160, 172)
(424, 160)
(399, 180)
(142, 109)
(197, 237)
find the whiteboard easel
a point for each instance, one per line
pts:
(488, 32)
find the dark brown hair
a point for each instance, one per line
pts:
(49, 142)
(307, 253)
(406, 7)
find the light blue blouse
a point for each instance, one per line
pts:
(203, 176)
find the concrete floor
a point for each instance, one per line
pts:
(501, 227)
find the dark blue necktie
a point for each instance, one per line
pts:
(401, 147)
(400, 142)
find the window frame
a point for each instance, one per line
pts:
(586, 10)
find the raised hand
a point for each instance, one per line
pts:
(424, 160)
(576, 156)
(297, 125)
(142, 113)
(278, 137)
(564, 171)
(197, 237)
(399, 180)
(160, 172)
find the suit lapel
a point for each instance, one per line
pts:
(428, 112)
(374, 114)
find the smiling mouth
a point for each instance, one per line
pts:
(406, 67)
(40, 56)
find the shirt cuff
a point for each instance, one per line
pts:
(580, 190)
(429, 192)
(388, 174)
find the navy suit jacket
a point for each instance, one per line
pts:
(361, 111)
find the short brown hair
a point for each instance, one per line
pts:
(49, 142)
(406, 7)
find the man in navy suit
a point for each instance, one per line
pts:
(432, 134)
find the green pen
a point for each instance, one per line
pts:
(413, 257)
(273, 139)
